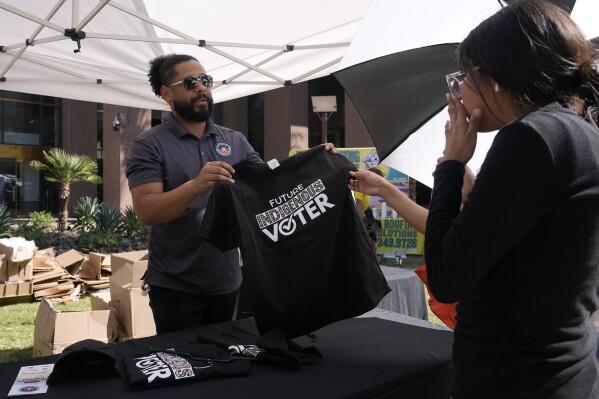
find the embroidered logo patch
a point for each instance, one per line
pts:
(223, 149)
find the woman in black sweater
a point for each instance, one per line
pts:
(522, 255)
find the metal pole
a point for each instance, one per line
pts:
(324, 117)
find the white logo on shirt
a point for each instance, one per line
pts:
(299, 205)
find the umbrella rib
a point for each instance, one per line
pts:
(56, 68)
(147, 39)
(232, 78)
(74, 12)
(48, 39)
(246, 64)
(31, 39)
(136, 93)
(248, 82)
(91, 15)
(321, 46)
(152, 21)
(32, 17)
(320, 68)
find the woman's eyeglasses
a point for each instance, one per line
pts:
(455, 79)
(191, 82)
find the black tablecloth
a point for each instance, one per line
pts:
(362, 358)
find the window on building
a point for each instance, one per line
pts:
(28, 119)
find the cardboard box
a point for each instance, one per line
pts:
(89, 271)
(70, 261)
(131, 303)
(133, 312)
(20, 271)
(15, 292)
(128, 268)
(3, 268)
(18, 254)
(100, 300)
(101, 260)
(56, 330)
(45, 252)
(14, 270)
(43, 262)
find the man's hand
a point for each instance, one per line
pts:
(330, 147)
(211, 173)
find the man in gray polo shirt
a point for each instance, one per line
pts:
(171, 170)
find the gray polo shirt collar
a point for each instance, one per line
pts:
(180, 131)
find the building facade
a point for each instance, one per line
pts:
(274, 122)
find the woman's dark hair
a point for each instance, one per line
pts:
(162, 70)
(535, 51)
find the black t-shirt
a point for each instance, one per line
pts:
(307, 256)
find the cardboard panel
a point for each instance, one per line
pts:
(16, 255)
(55, 330)
(13, 289)
(3, 268)
(133, 312)
(100, 300)
(70, 261)
(128, 268)
(19, 271)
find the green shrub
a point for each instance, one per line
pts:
(85, 212)
(42, 220)
(5, 221)
(131, 226)
(108, 219)
(100, 241)
(33, 233)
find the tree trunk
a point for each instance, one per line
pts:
(63, 214)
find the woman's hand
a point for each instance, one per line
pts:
(367, 182)
(461, 133)
(469, 176)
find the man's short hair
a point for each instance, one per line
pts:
(162, 70)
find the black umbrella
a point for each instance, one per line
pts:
(397, 94)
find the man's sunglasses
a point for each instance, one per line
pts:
(191, 82)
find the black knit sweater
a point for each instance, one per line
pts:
(522, 258)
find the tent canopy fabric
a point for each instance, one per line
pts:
(98, 50)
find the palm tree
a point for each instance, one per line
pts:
(65, 169)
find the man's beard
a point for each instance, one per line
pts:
(187, 109)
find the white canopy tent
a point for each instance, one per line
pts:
(247, 46)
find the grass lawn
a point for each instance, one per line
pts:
(17, 321)
(17, 324)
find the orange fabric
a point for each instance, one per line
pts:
(446, 312)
